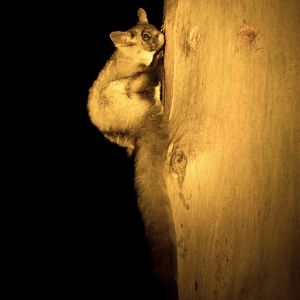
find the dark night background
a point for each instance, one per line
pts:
(70, 227)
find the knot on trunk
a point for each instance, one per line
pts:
(178, 164)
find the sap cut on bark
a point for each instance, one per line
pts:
(232, 98)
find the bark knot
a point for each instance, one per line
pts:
(247, 34)
(178, 164)
(194, 38)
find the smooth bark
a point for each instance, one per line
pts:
(232, 96)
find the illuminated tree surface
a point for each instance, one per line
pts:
(232, 95)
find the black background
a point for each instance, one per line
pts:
(70, 226)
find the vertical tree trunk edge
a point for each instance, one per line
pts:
(232, 98)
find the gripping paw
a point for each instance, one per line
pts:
(157, 59)
(157, 66)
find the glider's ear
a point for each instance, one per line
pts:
(142, 16)
(120, 38)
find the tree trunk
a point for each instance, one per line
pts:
(232, 96)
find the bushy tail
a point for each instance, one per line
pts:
(155, 208)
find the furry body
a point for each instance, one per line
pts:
(126, 87)
(124, 103)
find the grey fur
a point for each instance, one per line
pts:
(123, 106)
